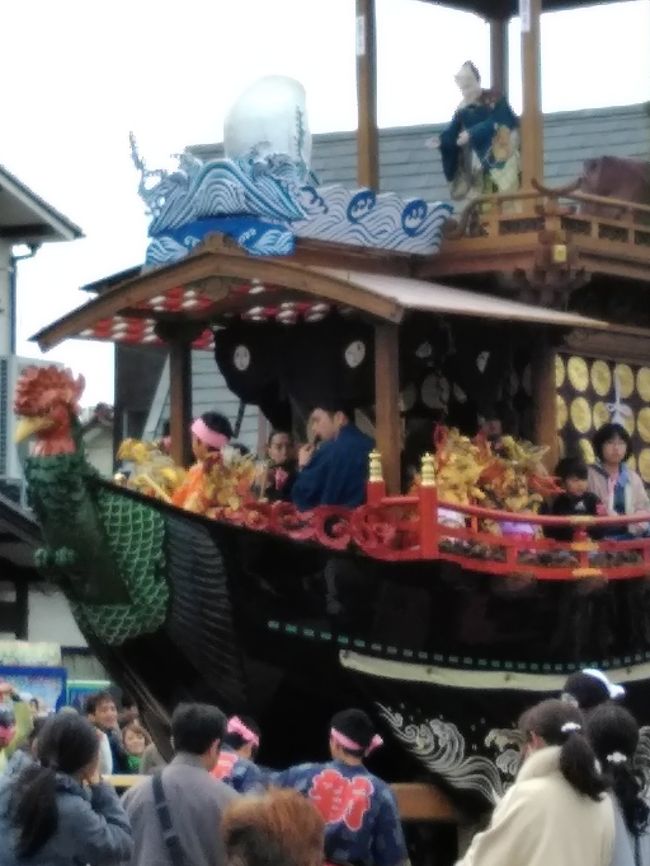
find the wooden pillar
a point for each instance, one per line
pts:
(499, 66)
(387, 414)
(544, 401)
(180, 400)
(532, 128)
(367, 135)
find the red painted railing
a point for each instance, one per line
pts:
(413, 527)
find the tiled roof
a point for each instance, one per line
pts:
(407, 167)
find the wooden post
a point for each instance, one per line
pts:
(532, 128)
(367, 136)
(180, 400)
(387, 415)
(544, 402)
(499, 66)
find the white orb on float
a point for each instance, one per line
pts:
(270, 116)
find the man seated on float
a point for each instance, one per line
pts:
(210, 433)
(362, 822)
(336, 472)
(236, 764)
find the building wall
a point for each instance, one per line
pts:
(50, 618)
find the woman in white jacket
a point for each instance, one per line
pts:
(614, 734)
(557, 812)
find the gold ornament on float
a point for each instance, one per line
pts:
(559, 372)
(587, 450)
(625, 377)
(601, 414)
(578, 373)
(581, 415)
(643, 424)
(644, 464)
(561, 412)
(561, 450)
(601, 378)
(643, 383)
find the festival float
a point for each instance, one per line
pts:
(422, 315)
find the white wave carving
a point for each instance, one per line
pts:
(440, 747)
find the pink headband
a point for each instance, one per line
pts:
(207, 436)
(236, 726)
(347, 743)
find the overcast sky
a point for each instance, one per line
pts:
(79, 75)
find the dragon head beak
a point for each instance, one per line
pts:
(27, 427)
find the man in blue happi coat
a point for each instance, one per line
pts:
(336, 472)
(362, 824)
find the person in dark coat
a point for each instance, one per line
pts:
(336, 472)
(576, 500)
(57, 812)
(101, 710)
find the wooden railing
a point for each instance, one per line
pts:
(415, 801)
(504, 213)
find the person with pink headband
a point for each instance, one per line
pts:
(236, 764)
(362, 822)
(210, 434)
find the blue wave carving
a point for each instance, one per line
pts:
(264, 203)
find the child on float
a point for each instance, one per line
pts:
(619, 488)
(279, 470)
(557, 812)
(576, 500)
(362, 822)
(614, 735)
(210, 434)
(236, 764)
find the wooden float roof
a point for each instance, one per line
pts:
(219, 280)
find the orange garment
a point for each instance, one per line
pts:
(190, 494)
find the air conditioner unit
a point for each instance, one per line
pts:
(11, 457)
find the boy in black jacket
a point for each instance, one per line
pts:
(575, 501)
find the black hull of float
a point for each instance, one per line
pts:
(444, 658)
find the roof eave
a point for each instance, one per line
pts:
(61, 227)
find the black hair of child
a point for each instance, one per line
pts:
(572, 467)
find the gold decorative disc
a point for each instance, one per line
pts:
(643, 424)
(587, 450)
(561, 412)
(625, 379)
(559, 372)
(644, 464)
(643, 383)
(601, 378)
(601, 414)
(629, 423)
(581, 415)
(578, 373)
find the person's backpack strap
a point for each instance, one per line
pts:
(171, 840)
